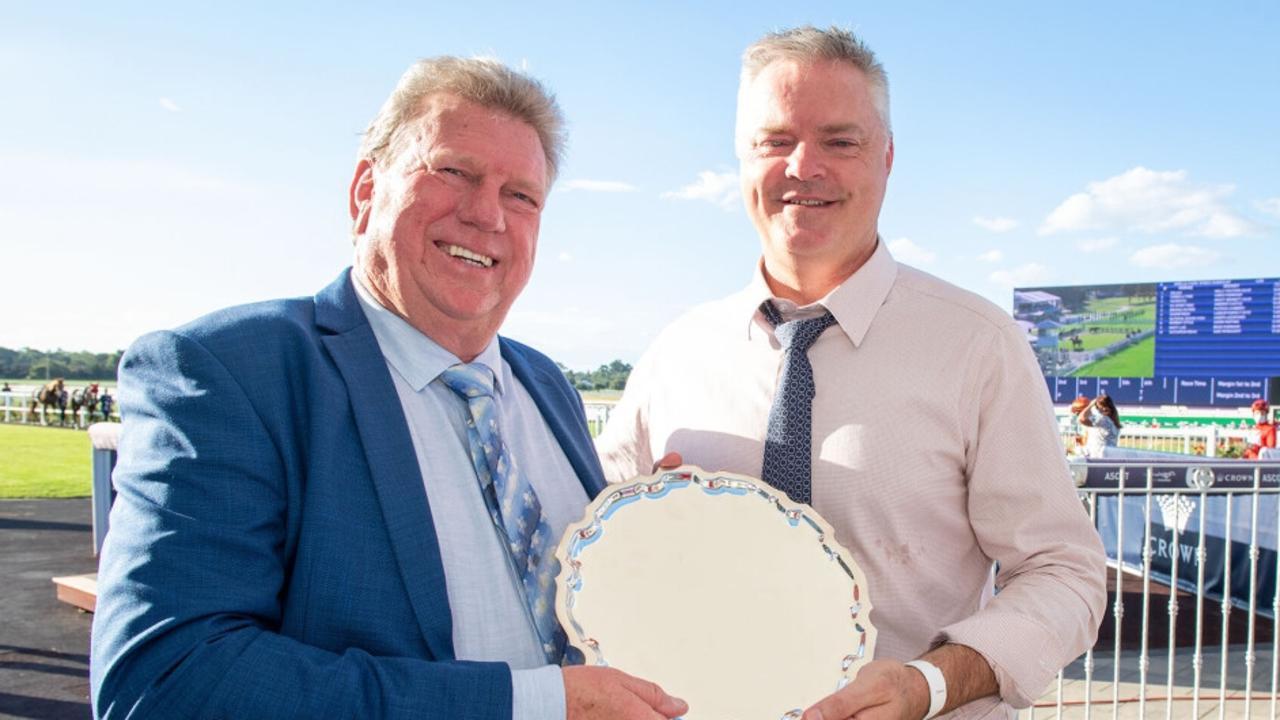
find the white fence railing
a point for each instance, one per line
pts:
(16, 408)
(597, 415)
(1192, 546)
(1205, 440)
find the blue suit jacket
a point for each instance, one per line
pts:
(272, 552)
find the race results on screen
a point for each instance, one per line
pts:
(1224, 328)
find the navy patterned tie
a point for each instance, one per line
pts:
(512, 502)
(787, 455)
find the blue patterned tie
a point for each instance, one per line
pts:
(787, 455)
(512, 502)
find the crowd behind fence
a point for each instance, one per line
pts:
(15, 407)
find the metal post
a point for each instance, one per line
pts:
(1173, 606)
(1250, 656)
(1144, 658)
(1088, 654)
(103, 462)
(1197, 660)
(1226, 610)
(1275, 636)
(1118, 613)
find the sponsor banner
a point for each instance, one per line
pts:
(1223, 474)
(1173, 539)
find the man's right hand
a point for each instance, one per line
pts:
(605, 693)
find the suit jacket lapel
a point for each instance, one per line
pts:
(393, 464)
(562, 409)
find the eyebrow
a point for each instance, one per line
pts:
(832, 129)
(841, 128)
(468, 163)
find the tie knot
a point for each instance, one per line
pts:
(797, 334)
(470, 380)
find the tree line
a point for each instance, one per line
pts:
(81, 365)
(606, 377)
(71, 365)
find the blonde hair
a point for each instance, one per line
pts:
(481, 80)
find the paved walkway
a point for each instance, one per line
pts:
(44, 644)
(1124, 700)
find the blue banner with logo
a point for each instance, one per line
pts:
(1170, 526)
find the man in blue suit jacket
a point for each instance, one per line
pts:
(299, 531)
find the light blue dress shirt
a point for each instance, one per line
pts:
(490, 618)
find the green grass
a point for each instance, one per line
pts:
(1111, 328)
(1093, 341)
(1143, 311)
(1134, 361)
(38, 462)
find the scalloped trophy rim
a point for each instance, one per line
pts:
(658, 485)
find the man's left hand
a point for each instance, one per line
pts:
(882, 690)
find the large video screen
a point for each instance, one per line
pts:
(1213, 328)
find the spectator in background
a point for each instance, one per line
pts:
(1102, 421)
(6, 388)
(1263, 434)
(105, 401)
(1077, 432)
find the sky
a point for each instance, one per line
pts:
(163, 160)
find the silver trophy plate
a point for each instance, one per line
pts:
(718, 588)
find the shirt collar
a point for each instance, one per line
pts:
(853, 303)
(417, 358)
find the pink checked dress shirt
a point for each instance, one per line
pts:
(935, 456)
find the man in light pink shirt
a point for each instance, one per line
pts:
(934, 450)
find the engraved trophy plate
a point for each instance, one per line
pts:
(718, 588)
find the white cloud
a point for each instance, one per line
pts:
(1021, 276)
(716, 188)
(1270, 205)
(548, 324)
(565, 257)
(1150, 201)
(611, 186)
(996, 224)
(169, 105)
(908, 252)
(991, 256)
(1172, 256)
(1096, 244)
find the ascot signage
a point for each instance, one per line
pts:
(1186, 497)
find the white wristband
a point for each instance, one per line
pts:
(937, 685)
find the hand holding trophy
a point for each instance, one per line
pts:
(718, 588)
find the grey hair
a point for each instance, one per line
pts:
(481, 80)
(810, 44)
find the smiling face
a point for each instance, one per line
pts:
(815, 159)
(447, 222)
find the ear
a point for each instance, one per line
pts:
(888, 157)
(360, 196)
